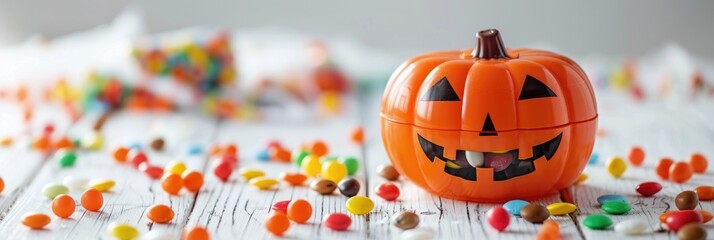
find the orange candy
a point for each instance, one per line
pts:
(92, 200)
(318, 148)
(357, 135)
(662, 167)
(636, 156)
(160, 213)
(64, 142)
(278, 153)
(277, 223)
(2, 185)
(705, 193)
(192, 180)
(231, 149)
(171, 183)
(549, 231)
(195, 233)
(294, 179)
(35, 220)
(63, 206)
(120, 154)
(299, 210)
(699, 162)
(680, 172)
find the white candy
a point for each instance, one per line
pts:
(159, 235)
(75, 182)
(52, 190)
(632, 226)
(418, 234)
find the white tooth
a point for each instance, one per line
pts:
(475, 159)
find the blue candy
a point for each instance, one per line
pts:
(262, 155)
(593, 158)
(514, 206)
(611, 197)
(195, 150)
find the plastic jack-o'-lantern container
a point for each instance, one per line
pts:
(489, 124)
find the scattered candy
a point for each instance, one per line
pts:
(223, 170)
(176, 167)
(195, 233)
(35, 220)
(662, 167)
(299, 210)
(279, 153)
(648, 189)
(53, 190)
(349, 187)
(677, 219)
(281, 206)
(593, 158)
(417, 234)
(698, 162)
(561, 208)
(263, 183)
(359, 205)
(636, 156)
(692, 231)
(616, 167)
(387, 191)
(63, 206)
(249, 173)
(406, 220)
(123, 231)
(388, 172)
(706, 216)
(137, 157)
(160, 213)
(597, 221)
(154, 172)
(157, 144)
(2, 185)
(357, 135)
(103, 185)
(338, 221)
(680, 172)
(323, 186)
(262, 155)
(514, 206)
(611, 197)
(686, 200)
(334, 171)
(498, 218)
(192, 180)
(93, 140)
(311, 165)
(535, 213)
(705, 193)
(92, 200)
(634, 226)
(66, 157)
(318, 148)
(277, 224)
(298, 155)
(581, 179)
(294, 179)
(616, 207)
(351, 164)
(549, 231)
(171, 183)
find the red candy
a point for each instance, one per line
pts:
(137, 157)
(498, 218)
(154, 172)
(677, 219)
(223, 170)
(338, 221)
(231, 159)
(648, 188)
(281, 206)
(388, 191)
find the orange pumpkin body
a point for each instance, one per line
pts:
(489, 127)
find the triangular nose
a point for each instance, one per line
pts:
(488, 129)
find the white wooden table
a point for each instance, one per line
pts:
(236, 210)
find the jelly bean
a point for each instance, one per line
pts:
(581, 179)
(705, 193)
(388, 172)
(299, 210)
(549, 231)
(53, 190)
(636, 156)
(157, 144)
(535, 213)
(514, 206)
(338, 221)
(677, 219)
(277, 224)
(171, 183)
(351, 164)
(176, 167)
(93, 140)
(616, 207)
(597, 221)
(662, 167)
(616, 167)
(498, 218)
(561, 208)
(192, 180)
(648, 189)
(680, 172)
(262, 155)
(249, 173)
(66, 158)
(349, 187)
(160, 213)
(634, 226)
(195, 149)
(92, 200)
(593, 158)
(406, 220)
(611, 197)
(298, 155)
(334, 171)
(417, 234)
(311, 165)
(387, 191)
(2, 185)
(294, 179)
(692, 231)
(195, 233)
(280, 154)
(223, 171)
(281, 206)
(359, 205)
(63, 206)
(323, 186)
(698, 162)
(159, 235)
(686, 200)
(123, 231)
(318, 148)
(103, 185)
(152, 171)
(137, 157)
(35, 220)
(263, 183)
(357, 135)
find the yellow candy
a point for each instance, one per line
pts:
(561, 208)
(359, 205)
(581, 179)
(616, 166)
(102, 185)
(334, 171)
(250, 173)
(93, 140)
(311, 165)
(123, 231)
(263, 183)
(177, 167)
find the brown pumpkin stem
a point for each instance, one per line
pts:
(489, 45)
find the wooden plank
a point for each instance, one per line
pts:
(134, 192)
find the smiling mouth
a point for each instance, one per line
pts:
(505, 164)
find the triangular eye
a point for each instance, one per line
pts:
(534, 88)
(441, 91)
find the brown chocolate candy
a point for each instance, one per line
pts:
(687, 200)
(406, 220)
(535, 213)
(349, 187)
(157, 144)
(388, 172)
(323, 186)
(692, 231)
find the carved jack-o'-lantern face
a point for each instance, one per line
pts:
(492, 125)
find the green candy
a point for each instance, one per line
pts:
(53, 190)
(597, 221)
(352, 165)
(67, 159)
(298, 155)
(616, 207)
